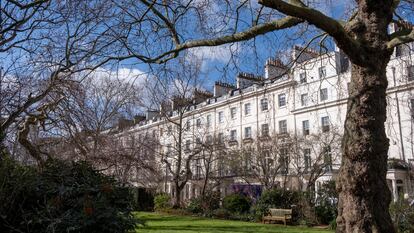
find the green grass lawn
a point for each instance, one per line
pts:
(161, 223)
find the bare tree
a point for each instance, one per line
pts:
(314, 156)
(45, 43)
(175, 92)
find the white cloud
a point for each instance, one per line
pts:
(218, 53)
(127, 75)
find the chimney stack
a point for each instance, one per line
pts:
(221, 88)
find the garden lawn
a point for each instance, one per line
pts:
(162, 223)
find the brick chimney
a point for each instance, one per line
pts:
(301, 54)
(245, 80)
(274, 68)
(221, 88)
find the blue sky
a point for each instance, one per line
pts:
(225, 62)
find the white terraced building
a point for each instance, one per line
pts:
(308, 99)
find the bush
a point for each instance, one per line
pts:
(277, 198)
(162, 202)
(62, 197)
(221, 213)
(402, 215)
(236, 203)
(195, 206)
(327, 203)
(204, 205)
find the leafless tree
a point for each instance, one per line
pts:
(44, 44)
(174, 91)
(315, 155)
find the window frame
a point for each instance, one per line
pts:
(304, 101)
(247, 109)
(264, 103)
(325, 124)
(322, 72)
(221, 117)
(305, 130)
(323, 96)
(281, 97)
(248, 132)
(263, 131)
(233, 115)
(303, 78)
(284, 131)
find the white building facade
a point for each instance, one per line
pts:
(309, 98)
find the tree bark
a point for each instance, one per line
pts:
(177, 200)
(364, 196)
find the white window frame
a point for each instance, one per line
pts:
(323, 94)
(221, 117)
(303, 78)
(325, 123)
(233, 135)
(282, 100)
(410, 73)
(233, 113)
(283, 127)
(265, 130)
(322, 72)
(247, 109)
(305, 127)
(304, 99)
(264, 105)
(247, 132)
(208, 123)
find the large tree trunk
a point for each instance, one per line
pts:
(363, 193)
(364, 196)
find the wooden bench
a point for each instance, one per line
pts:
(283, 215)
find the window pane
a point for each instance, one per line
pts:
(324, 94)
(247, 109)
(304, 99)
(303, 78)
(264, 104)
(282, 100)
(282, 127)
(305, 125)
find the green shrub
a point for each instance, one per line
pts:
(195, 206)
(326, 203)
(62, 197)
(204, 205)
(402, 215)
(277, 198)
(332, 225)
(162, 202)
(221, 213)
(236, 203)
